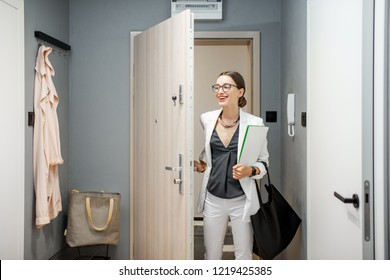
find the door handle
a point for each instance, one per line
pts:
(178, 181)
(354, 200)
(169, 168)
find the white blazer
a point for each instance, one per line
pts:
(208, 121)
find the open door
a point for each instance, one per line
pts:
(162, 148)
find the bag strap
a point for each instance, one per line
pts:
(109, 217)
(267, 187)
(259, 195)
(268, 176)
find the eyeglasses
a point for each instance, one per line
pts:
(225, 87)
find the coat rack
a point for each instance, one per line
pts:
(53, 41)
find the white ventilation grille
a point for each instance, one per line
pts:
(202, 9)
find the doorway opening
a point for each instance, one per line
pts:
(215, 52)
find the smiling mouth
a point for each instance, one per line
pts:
(222, 98)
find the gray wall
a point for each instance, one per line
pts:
(99, 74)
(94, 118)
(51, 17)
(293, 80)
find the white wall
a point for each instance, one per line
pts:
(12, 126)
(293, 80)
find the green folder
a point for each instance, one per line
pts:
(254, 139)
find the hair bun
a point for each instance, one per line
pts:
(241, 101)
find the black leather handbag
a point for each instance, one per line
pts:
(274, 225)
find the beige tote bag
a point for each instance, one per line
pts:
(93, 218)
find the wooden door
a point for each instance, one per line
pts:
(162, 151)
(339, 113)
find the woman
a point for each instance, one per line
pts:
(228, 189)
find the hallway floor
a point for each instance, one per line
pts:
(99, 252)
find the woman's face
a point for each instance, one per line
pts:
(227, 97)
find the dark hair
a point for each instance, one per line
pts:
(239, 80)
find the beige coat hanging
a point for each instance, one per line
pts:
(47, 150)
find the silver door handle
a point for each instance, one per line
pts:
(178, 181)
(173, 168)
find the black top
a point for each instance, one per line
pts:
(221, 182)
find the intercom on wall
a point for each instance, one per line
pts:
(291, 113)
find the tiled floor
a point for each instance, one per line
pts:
(94, 252)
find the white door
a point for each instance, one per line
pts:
(339, 96)
(12, 129)
(162, 146)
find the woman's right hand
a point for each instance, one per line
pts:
(198, 167)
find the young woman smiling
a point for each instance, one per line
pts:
(228, 188)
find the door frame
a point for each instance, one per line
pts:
(132, 36)
(387, 124)
(381, 130)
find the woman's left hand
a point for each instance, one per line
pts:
(240, 171)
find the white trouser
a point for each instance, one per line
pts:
(217, 212)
